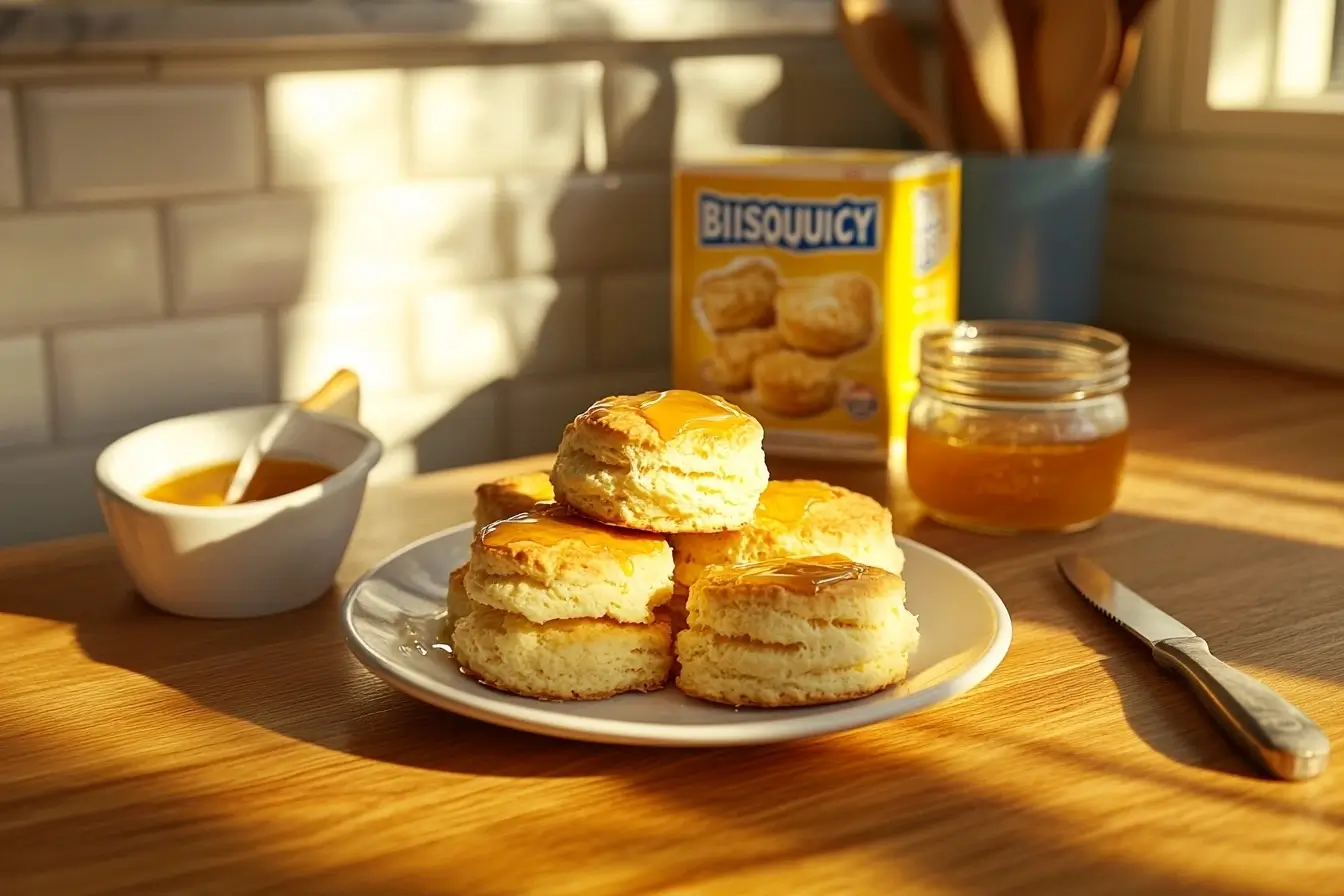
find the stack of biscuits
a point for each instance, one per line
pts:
(779, 343)
(657, 541)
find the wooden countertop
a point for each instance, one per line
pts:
(142, 753)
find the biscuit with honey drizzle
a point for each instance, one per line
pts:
(795, 518)
(673, 461)
(795, 632)
(562, 608)
(503, 498)
(551, 563)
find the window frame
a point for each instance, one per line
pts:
(1192, 23)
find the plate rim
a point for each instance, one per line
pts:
(540, 719)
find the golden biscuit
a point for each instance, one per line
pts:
(551, 563)
(795, 632)
(729, 368)
(794, 384)
(671, 461)
(674, 611)
(829, 316)
(571, 659)
(739, 296)
(459, 604)
(511, 495)
(796, 518)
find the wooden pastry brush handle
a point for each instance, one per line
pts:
(342, 383)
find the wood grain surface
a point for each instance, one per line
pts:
(141, 753)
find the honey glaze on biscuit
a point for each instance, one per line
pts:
(801, 575)
(674, 411)
(552, 524)
(789, 500)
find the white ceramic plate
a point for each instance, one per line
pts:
(394, 614)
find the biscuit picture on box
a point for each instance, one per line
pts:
(738, 296)
(791, 383)
(789, 368)
(827, 316)
(729, 368)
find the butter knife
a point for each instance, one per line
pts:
(1272, 732)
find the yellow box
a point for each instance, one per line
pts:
(801, 282)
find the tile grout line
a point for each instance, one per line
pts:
(165, 242)
(261, 119)
(22, 156)
(592, 325)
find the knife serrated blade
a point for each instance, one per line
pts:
(1138, 617)
(1271, 731)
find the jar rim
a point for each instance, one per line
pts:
(1020, 360)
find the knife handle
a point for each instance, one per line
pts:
(1271, 731)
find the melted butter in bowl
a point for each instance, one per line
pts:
(161, 490)
(206, 486)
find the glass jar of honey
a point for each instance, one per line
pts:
(1019, 426)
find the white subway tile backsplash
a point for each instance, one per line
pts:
(82, 267)
(371, 336)
(528, 325)
(462, 340)
(390, 238)
(692, 107)
(362, 241)
(447, 232)
(24, 415)
(48, 494)
(634, 320)
(238, 253)
(538, 409)
(466, 431)
(11, 193)
(112, 380)
(92, 143)
(335, 127)
(503, 118)
(813, 81)
(590, 222)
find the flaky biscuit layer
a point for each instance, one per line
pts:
(615, 465)
(832, 520)
(576, 659)
(767, 635)
(505, 497)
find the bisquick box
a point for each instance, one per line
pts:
(801, 282)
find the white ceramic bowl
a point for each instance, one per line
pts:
(249, 559)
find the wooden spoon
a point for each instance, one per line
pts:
(343, 385)
(992, 63)
(881, 49)
(1023, 18)
(1077, 42)
(1100, 123)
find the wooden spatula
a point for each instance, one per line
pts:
(1023, 18)
(342, 387)
(968, 119)
(1098, 125)
(1077, 42)
(989, 50)
(881, 50)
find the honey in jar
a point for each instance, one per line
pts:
(1019, 426)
